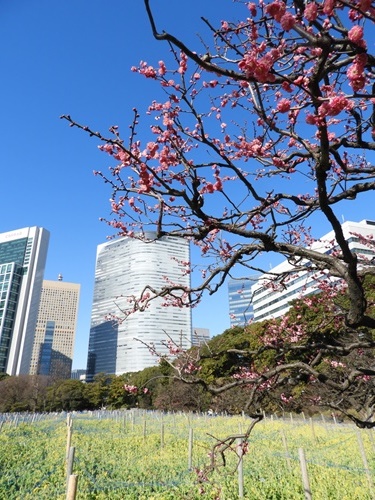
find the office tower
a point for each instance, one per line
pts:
(23, 254)
(78, 374)
(272, 302)
(123, 268)
(55, 329)
(200, 336)
(240, 300)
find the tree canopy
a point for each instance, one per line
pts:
(246, 368)
(270, 123)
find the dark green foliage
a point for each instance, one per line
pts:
(68, 395)
(323, 346)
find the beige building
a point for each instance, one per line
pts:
(55, 330)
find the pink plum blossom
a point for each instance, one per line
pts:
(311, 11)
(276, 10)
(283, 105)
(287, 21)
(355, 35)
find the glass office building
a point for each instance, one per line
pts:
(10, 282)
(240, 300)
(23, 254)
(123, 268)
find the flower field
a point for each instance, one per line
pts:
(145, 455)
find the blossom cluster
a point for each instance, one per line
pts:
(133, 389)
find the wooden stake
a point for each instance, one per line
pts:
(162, 435)
(68, 441)
(370, 435)
(313, 429)
(285, 443)
(240, 469)
(190, 457)
(305, 475)
(72, 487)
(70, 462)
(365, 463)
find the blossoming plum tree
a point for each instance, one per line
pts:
(271, 123)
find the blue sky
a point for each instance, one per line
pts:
(74, 57)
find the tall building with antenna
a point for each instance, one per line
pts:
(23, 254)
(55, 329)
(123, 268)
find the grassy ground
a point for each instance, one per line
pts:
(139, 455)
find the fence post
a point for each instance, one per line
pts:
(285, 443)
(69, 465)
(305, 475)
(72, 487)
(365, 463)
(190, 456)
(162, 435)
(68, 439)
(240, 468)
(370, 434)
(313, 429)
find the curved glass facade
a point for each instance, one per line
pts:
(124, 267)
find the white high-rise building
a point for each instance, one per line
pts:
(23, 254)
(55, 329)
(274, 301)
(124, 267)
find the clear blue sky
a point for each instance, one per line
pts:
(74, 57)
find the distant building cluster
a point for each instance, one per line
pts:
(38, 318)
(255, 300)
(78, 374)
